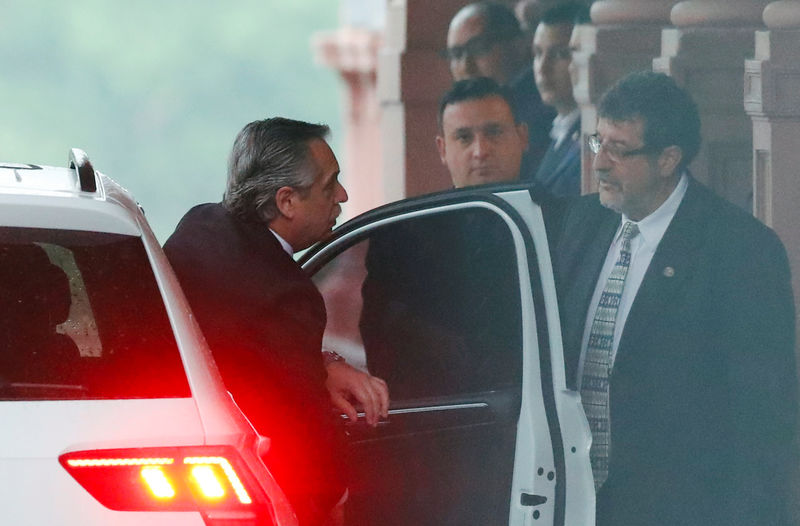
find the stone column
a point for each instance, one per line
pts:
(705, 52)
(772, 100)
(411, 78)
(625, 36)
(353, 52)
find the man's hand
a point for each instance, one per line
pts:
(346, 383)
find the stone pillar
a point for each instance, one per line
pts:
(772, 99)
(625, 36)
(705, 52)
(352, 50)
(411, 78)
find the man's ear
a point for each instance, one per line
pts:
(522, 131)
(669, 160)
(440, 146)
(285, 201)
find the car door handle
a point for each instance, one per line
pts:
(419, 410)
(529, 499)
(362, 422)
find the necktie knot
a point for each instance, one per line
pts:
(629, 231)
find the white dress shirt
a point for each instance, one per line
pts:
(562, 124)
(643, 247)
(286, 246)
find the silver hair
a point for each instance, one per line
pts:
(266, 156)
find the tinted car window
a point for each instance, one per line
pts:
(438, 309)
(81, 317)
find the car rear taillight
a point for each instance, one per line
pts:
(211, 480)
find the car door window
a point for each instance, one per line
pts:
(83, 318)
(431, 305)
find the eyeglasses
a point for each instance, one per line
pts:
(614, 153)
(474, 47)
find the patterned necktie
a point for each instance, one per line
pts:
(597, 362)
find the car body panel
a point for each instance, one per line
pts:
(34, 487)
(49, 428)
(43, 430)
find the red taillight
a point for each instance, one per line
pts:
(209, 479)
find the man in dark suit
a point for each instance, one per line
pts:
(678, 327)
(485, 40)
(560, 170)
(261, 314)
(481, 140)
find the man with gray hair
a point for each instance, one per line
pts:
(262, 315)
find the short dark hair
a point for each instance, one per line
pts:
(500, 23)
(571, 13)
(266, 156)
(475, 89)
(669, 114)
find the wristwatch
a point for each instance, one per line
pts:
(328, 357)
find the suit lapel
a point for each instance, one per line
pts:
(556, 160)
(672, 265)
(587, 263)
(570, 149)
(594, 258)
(548, 165)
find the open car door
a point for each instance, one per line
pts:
(450, 299)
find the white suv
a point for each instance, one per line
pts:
(111, 408)
(112, 411)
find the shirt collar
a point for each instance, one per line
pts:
(284, 244)
(562, 124)
(653, 227)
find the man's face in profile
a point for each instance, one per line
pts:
(480, 142)
(552, 57)
(316, 208)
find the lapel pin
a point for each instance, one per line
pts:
(669, 272)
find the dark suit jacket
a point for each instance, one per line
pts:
(263, 319)
(539, 117)
(560, 170)
(703, 391)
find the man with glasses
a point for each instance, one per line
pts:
(678, 327)
(560, 170)
(485, 40)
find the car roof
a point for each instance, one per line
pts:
(74, 198)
